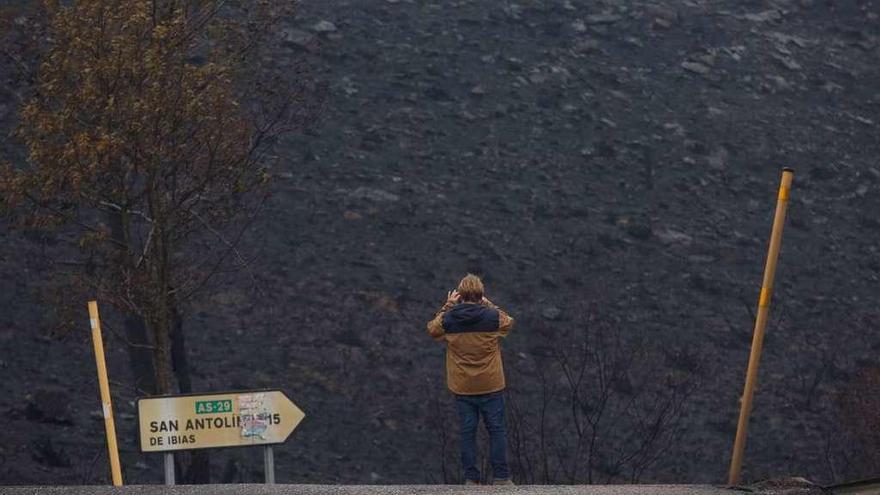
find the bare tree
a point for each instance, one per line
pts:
(439, 424)
(859, 404)
(816, 355)
(610, 407)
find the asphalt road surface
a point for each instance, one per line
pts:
(255, 489)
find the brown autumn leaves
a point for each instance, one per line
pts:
(147, 141)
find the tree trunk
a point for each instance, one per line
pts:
(179, 360)
(162, 305)
(139, 346)
(140, 356)
(198, 471)
(162, 356)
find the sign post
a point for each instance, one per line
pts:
(230, 419)
(269, 465)
(104, 385)
(760, 325)
(169, 468)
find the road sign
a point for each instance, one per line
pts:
(229, 419)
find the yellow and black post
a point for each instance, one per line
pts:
(104, 385)
(760, 325)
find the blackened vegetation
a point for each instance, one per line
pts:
(609, 406)
(547, 145)
(612, 383)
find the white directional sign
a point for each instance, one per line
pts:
(230, 419)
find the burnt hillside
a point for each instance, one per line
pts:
(616, 158)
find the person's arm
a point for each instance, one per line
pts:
(505, 321)
(435, 326)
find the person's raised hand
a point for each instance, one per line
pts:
(453, 297)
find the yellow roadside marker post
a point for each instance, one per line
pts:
(104, 385)
(760, 326)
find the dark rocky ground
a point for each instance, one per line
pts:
(624, 153)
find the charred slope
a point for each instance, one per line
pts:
(624, 154)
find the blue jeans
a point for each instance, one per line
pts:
(491, 407)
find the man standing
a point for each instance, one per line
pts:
(471, 325)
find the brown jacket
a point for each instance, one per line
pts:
(473, 353)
